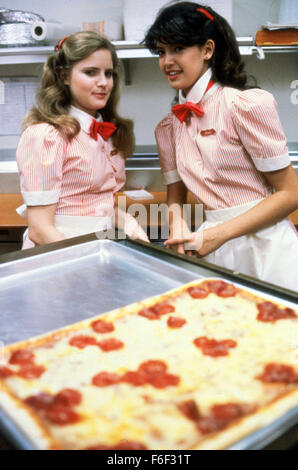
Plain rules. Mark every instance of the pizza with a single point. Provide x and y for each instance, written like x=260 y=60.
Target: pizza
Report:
x=199 y=367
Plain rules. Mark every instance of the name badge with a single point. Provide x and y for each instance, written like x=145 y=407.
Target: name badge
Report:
x=207 y=132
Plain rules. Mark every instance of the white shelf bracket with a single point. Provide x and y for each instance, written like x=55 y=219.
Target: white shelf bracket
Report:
x=260 y=53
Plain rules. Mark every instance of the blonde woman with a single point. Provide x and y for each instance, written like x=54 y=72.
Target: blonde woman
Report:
x=71 y=155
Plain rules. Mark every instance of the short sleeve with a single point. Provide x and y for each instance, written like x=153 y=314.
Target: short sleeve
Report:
x=255 y=117
x=164 y=134
x=40 y=155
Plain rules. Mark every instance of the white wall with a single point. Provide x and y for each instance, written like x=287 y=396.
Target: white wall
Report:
x=250 y=15
x=69 y=11
x=275 y=74
x=148 y=98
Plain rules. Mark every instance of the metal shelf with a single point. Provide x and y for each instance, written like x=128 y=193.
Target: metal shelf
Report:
x=279 y=49
x=125 y=50
x=39 y=54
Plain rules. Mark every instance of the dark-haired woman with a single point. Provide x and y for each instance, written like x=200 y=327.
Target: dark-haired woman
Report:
x=225 y=144
x=71 y=155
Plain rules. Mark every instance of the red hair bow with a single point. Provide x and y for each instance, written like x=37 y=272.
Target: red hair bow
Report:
x=181 y=111
x=105 y=129
x=61 y=42
x=206 y=13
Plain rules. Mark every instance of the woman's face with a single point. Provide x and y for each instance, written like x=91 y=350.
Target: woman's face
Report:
x=183 y=66
x=91 y=82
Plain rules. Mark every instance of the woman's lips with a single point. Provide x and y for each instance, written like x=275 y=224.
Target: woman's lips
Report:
x=173 y=74
x=100 y=95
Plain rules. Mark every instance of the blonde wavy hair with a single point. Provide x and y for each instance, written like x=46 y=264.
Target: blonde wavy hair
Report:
x=54 y=98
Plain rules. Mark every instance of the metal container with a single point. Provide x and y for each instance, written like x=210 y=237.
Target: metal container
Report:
x=15 y=28
x=16 y=35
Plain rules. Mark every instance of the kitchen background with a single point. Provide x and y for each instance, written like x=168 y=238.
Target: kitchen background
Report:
x=148 y=97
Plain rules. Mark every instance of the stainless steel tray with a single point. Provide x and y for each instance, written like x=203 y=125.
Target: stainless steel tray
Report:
x=50 y=290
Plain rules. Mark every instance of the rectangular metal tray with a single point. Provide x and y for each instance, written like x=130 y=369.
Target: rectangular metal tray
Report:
x=48 y=291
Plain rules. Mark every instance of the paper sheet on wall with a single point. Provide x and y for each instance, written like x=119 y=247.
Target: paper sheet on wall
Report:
x=17 y=97
x=277 y=26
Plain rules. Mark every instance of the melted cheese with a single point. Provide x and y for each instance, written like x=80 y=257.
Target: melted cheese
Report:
x=150 y=415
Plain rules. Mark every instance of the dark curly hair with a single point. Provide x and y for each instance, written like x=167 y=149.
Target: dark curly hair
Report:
x=182 y=23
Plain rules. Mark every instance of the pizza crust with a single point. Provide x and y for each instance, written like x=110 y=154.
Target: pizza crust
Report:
x=240 y=429
x=28 y=422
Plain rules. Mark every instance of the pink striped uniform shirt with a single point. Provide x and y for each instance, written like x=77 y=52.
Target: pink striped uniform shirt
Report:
x=81 y=176
x=221 y=156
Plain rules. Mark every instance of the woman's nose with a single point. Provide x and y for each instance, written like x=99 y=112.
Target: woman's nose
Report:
x=101 y=80
x=168 y=58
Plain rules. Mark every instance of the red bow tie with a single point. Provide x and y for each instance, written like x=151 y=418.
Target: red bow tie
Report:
x=181 y=111
x=105 y=129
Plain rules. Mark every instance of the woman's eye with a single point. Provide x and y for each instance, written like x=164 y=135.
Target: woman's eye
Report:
x=178 y=49
x=90 y=73
x=109 y=74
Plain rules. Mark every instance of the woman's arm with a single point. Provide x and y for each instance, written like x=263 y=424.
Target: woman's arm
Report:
x=41 y=224
x=176 y=197
x=268 y=212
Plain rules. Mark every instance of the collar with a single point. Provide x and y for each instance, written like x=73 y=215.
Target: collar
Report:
x=197 y=91
x=84 y=119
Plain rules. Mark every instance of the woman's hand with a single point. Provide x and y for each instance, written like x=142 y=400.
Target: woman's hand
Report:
x=199 y=243
x=138 y=233
x=182 y=241
x=130 y=226
x=178 y=247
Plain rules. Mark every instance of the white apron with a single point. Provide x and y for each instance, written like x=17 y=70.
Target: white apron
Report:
x=271 y=254
x=74 y=226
